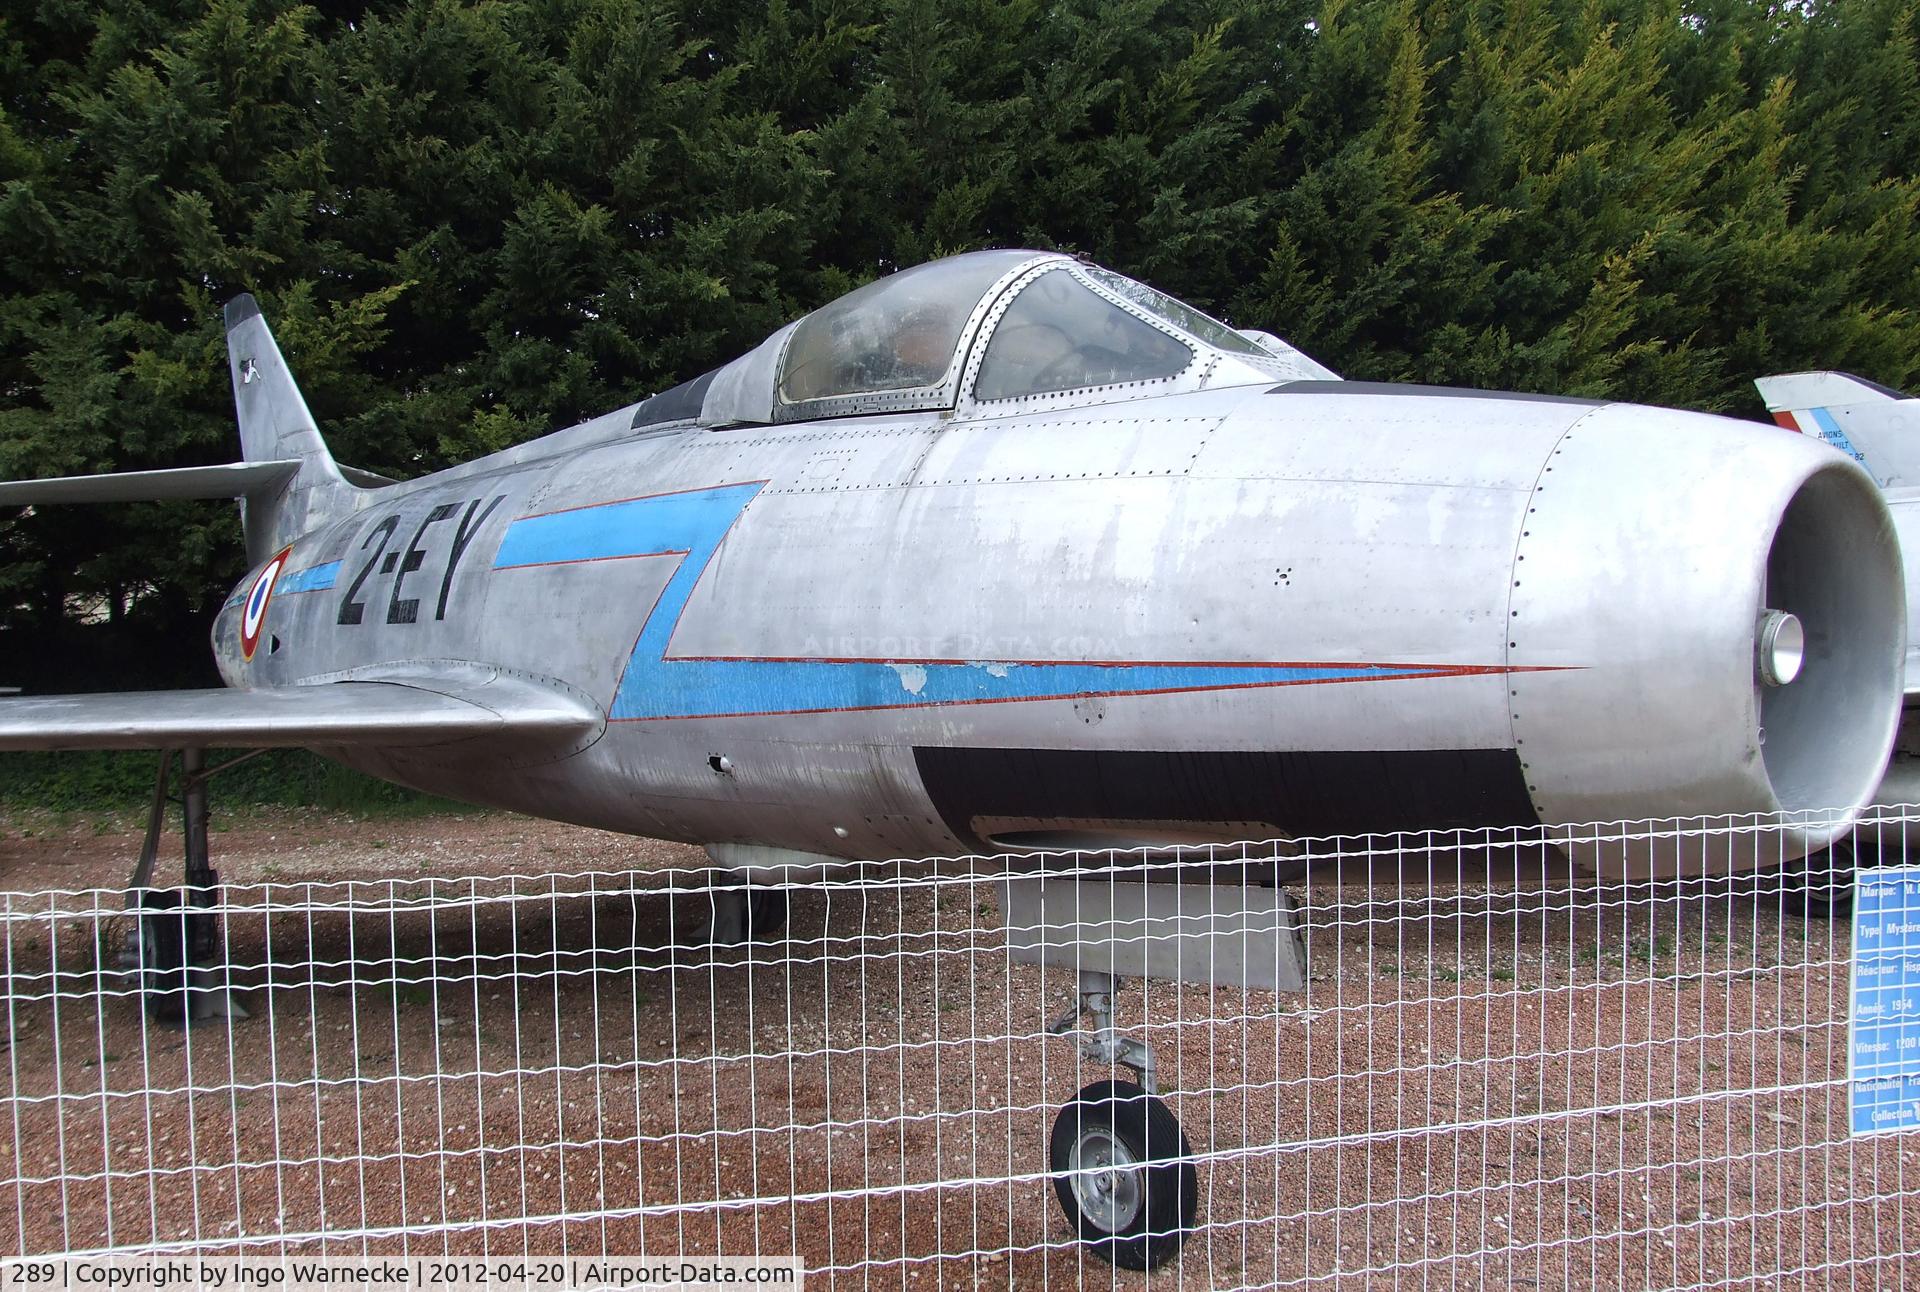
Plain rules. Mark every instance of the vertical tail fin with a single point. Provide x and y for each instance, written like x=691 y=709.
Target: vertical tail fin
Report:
x=276 y=425
x=1877 y=426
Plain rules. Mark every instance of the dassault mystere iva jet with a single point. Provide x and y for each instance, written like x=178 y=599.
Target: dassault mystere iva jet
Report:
x=1009 y=552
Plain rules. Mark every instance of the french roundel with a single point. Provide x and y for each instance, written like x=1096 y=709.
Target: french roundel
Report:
x=254 y=615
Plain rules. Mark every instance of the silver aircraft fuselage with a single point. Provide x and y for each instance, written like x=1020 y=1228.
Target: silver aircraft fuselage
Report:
x=1267 y=609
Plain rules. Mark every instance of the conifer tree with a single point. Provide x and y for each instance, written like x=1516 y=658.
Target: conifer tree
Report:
x=472 y=224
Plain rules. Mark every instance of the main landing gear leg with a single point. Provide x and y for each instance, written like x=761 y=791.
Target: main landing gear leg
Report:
x=175 y=943
x=1122 y=1168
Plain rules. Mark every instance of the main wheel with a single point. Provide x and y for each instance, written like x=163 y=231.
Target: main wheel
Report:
x=166 y=952
x=1819 y=886
x=760 y=917
x=766 y=913
x=1123 y=1172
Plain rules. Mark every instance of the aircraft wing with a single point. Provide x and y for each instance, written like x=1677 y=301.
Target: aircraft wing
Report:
x=230 y=480
x=410 y=711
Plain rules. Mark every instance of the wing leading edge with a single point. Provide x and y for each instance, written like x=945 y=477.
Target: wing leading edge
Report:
x=395 y=711
x=229 y=480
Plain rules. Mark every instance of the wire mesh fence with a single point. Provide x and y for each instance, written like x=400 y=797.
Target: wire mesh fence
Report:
x=1492 y=1069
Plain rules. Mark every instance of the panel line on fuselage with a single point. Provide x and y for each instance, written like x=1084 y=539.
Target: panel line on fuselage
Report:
x=690 y=525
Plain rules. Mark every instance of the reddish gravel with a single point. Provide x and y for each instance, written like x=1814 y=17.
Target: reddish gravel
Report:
x=1485 y=1084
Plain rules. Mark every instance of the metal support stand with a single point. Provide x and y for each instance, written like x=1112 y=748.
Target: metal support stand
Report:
x=175 y=939
x=1100 y=1043
x=141 y=880
x=156 y=822
x=193 y=802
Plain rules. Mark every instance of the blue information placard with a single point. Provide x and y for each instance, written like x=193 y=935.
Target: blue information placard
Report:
x=1883 y=1052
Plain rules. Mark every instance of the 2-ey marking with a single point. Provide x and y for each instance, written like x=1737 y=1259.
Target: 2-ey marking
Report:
x=401 y=562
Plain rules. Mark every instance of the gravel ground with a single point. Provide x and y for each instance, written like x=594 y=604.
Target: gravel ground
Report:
x=1496 y=1081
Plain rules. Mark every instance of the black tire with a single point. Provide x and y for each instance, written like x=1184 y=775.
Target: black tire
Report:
x=766 y=912
x=1141 y=1224
x=1822 y=886
x=1818 y=886
x=166 y=939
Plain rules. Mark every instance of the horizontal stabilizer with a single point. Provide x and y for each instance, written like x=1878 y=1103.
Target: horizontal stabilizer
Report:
x=1792 y=391
x=231 y=480
x=423 y=710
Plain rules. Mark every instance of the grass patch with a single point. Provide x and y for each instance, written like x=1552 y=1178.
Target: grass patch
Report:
x=1649 y=949
x=117 y=781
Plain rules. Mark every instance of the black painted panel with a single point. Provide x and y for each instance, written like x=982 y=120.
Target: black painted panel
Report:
x=1299 y=794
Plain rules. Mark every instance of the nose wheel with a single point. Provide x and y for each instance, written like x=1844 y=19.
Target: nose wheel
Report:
x=1123 y=1172
x=1122 y=1168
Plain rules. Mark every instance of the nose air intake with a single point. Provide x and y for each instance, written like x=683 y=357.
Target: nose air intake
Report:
x=1706 y=614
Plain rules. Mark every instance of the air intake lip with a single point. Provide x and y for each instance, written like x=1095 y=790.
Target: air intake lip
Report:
x=1834 y=564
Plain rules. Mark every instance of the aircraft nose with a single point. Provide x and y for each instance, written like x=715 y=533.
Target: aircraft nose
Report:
x=1706 y=613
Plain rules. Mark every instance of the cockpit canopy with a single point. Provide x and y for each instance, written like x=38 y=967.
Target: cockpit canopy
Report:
x=981 y=333
x=898 y=333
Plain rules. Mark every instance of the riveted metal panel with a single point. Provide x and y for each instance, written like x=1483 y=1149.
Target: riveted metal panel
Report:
x=1160 y=437
x=1221 y=574
x=1445 y=440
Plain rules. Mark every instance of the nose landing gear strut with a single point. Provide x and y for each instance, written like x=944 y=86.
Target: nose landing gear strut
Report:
x=1122 y=1169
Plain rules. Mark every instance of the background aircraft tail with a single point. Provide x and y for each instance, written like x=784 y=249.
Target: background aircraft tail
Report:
x=1877 y=426
x=276 y=426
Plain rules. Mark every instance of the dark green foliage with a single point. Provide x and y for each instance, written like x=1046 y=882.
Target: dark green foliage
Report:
x=471 y=224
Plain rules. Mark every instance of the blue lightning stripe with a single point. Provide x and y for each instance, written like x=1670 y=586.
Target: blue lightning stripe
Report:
x=667 y=688
x=315 y=578
x=692 y=525
x=1830 y=432
x=674 y=522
